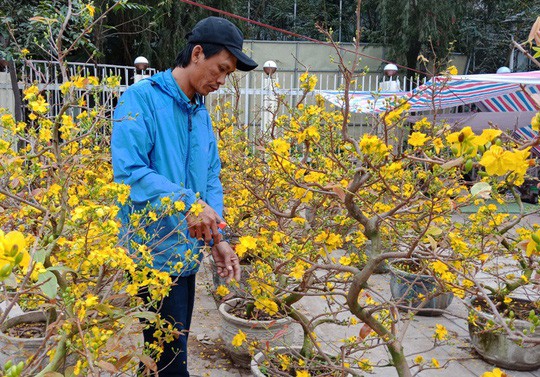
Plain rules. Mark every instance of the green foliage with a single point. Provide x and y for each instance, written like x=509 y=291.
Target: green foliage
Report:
x=487 y=31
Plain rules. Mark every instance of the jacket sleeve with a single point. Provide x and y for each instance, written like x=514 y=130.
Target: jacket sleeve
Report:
x=132 y=141
x=214 y=188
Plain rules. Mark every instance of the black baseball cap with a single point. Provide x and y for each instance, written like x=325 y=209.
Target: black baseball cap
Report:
x=219 y=31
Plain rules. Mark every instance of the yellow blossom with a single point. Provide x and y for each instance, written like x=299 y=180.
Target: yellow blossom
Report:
x=196 y=209
x=179 y=206
x=38 y=105
x=112 y=81
x=365 y=364
x=267 y=305
x=303 y=373
x=452 y=70
x=535 y=122
x=435 y=363
x=297 y=271
x=222 y=291
x=497 y=161
x=441 y=333
x=495 y=373
x=418 y=139
x=345 y=260
x=64 y=88
x=91 y=9
x=239 y=339
x=30 y=92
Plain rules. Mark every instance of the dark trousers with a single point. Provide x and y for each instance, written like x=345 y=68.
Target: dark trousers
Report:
x=176 y=308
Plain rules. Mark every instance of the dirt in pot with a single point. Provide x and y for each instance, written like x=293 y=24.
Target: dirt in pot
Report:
x=249 y=312
x=28 y=330
x=514 y=308
x=280 y=363
x=411 y=266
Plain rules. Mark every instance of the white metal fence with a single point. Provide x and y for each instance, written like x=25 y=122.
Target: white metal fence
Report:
x=248 y=93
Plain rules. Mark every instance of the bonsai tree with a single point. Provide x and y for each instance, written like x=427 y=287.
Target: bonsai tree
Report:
x=321 y=211
x=61 y=247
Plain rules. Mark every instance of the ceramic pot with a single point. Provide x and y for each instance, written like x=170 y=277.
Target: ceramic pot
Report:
x=495 y=347
x=406 y=288
x=21 y=349
x=258 y=360
x=272 y=333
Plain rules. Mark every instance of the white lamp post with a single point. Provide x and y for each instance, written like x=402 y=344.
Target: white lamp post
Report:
x=141 y=65
x=390 y=81
x=269 y=96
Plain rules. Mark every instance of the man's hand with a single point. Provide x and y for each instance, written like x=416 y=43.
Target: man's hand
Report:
x=227 y=262
x=204 y=225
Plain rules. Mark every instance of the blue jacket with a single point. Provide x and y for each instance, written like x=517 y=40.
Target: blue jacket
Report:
x=163 y=145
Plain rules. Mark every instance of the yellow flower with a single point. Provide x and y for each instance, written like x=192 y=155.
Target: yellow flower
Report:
x=112 y=81
x=302 y=373
x=535 y=122
x=239 y=339
x=65 y=87
x=452 y=70
x=222 y=291
x=487 y=136
x=495 y=373
x=441 y=333
x=25 y=51
x=345 y=260
x=91 y=301
x=267 y=305
x=281 y=147
x=12 y=243
x=497 y=161
x=285 y=361
x=30 y=92
x=418 y=139
x=463 y=142
x=419 y=359
x=39 y=105
x=435 y=363
x=179 y=206
x=297 y=271
x=439 y=267
x=196 y=209
x=507 y=300
x=438 y=144
x=93 y=80
x=91 y=9
x=365 y=364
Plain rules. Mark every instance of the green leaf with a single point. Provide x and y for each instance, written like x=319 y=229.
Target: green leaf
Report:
x=49 y=283
x=482 y=190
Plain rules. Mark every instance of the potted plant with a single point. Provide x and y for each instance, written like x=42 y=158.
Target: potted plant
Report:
x=503 y=309
x=61 y=250
x=244 y=326
x=309 y=187
x=414 y=287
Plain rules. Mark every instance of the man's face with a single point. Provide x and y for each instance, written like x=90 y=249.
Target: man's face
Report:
x=209 y=74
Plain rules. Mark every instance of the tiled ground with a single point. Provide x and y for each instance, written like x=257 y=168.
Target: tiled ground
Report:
x=208 y=359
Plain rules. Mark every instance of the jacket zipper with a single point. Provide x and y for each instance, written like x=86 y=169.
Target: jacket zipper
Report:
x=190 y=127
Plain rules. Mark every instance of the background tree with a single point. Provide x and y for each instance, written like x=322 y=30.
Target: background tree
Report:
x=489 y=27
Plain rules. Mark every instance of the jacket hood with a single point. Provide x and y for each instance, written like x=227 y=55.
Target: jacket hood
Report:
x=166 y=82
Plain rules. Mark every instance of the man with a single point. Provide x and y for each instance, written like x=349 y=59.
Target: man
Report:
x=163 y=146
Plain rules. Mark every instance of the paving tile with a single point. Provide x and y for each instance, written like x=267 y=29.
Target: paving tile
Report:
x=457 y=355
